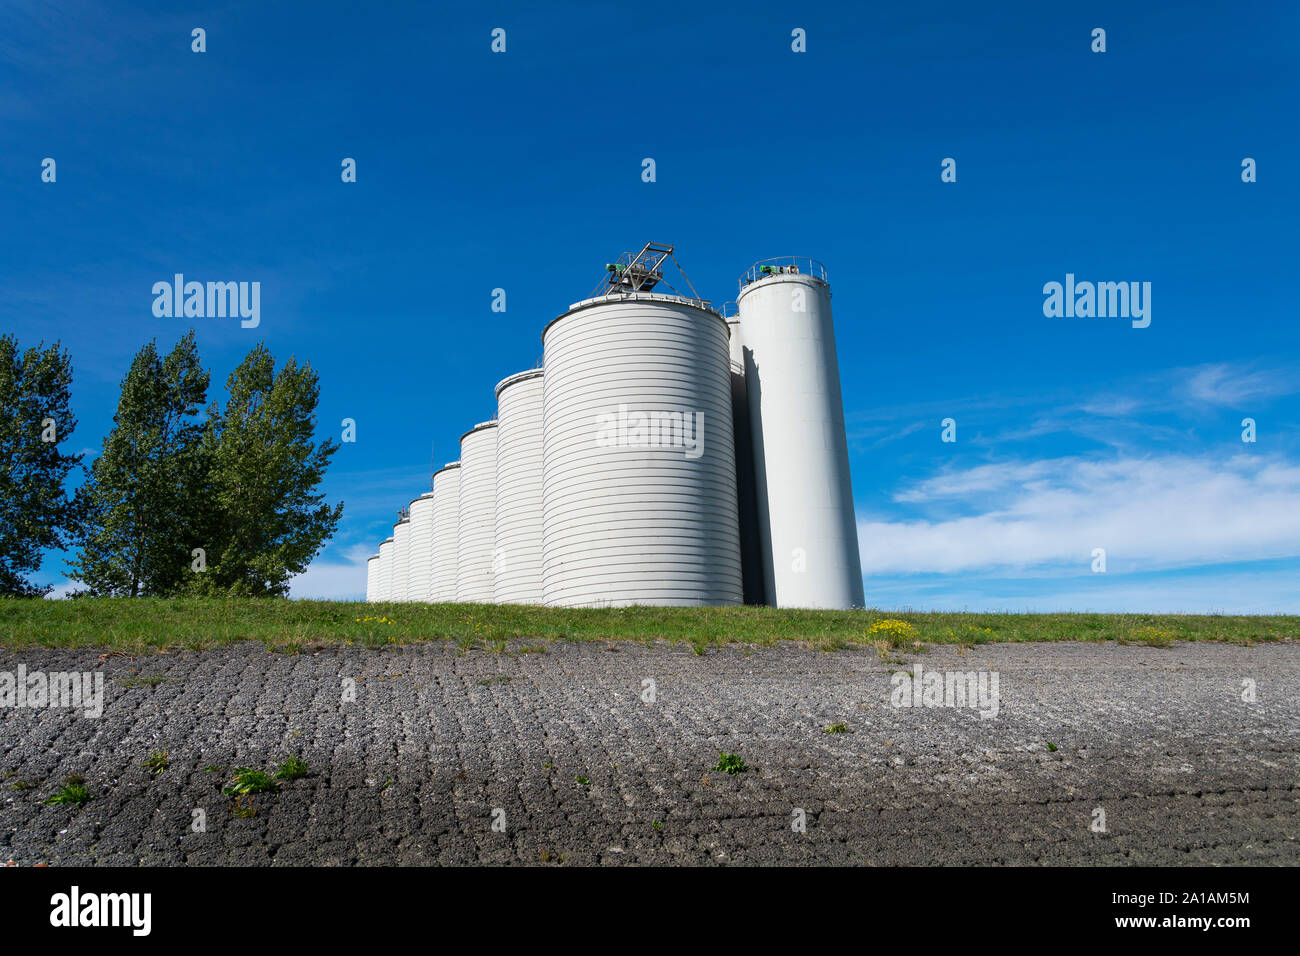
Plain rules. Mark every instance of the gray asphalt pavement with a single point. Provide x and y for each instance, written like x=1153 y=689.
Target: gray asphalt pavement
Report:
x=565 y=752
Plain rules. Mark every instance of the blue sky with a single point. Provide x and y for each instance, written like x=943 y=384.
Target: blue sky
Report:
x=522 y=171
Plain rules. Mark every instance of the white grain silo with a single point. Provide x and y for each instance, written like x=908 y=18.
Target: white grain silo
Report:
x=518 y=551
x=385 y=570
x=446 y=519
x=419 y=563
x=478 y=513
x=372 y=578
x=801 y=461
x=751 y=545
x=401 y=556
x=639 y=496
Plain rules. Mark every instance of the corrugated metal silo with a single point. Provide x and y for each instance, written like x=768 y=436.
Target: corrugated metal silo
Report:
x=801 y=459
x=446 y=519
x=372 y=578
x=518 y=549
x=385 y=570
x=419 y=563
x=401 y=556
x=478 y=513
x=639 y=496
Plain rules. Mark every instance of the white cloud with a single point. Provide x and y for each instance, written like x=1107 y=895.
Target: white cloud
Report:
x=1224 y=384
x=62 y=589
x=330 y=582
x=1148 y=513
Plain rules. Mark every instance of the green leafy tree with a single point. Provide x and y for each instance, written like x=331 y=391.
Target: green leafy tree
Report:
x=144 y=502
x=36 y=421
x=269 y=520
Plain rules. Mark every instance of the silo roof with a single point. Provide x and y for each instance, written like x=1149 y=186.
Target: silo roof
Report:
x=700 y=304
x=517 y=377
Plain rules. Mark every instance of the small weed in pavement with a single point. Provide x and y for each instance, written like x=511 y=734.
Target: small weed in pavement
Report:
x=157 y=762
x=730 y=763
x=292 y=769
x=246 y=781
x=73 y=791
x=840 y=728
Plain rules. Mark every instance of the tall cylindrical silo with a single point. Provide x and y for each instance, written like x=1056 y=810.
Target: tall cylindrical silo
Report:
x=386 y=570
x=401 y=556
x=478 y=513
x=446 y=519
x=801 y=458
x=419 y=563
x=372 y=578
x=639 y=491
x=751 y=545
x=518 y=550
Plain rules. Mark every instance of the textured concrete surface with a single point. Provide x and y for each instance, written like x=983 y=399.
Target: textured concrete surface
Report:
x=437 y=739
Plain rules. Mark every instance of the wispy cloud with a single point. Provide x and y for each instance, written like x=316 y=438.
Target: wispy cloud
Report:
x=1161 y=407
x=1231 y=386
x=1147 y=513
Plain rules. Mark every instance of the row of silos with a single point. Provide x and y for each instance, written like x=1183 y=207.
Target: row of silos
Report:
x=665 y=456
x=477 y=535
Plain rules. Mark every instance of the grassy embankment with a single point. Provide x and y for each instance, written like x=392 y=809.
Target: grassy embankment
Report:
x=295 y=626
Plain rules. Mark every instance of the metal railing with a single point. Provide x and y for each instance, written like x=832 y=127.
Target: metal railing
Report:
x=784 y=265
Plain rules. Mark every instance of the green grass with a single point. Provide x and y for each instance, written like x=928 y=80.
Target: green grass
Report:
x=133 y=626
x=292 y=769
x=247 y=781
x=74 y=790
